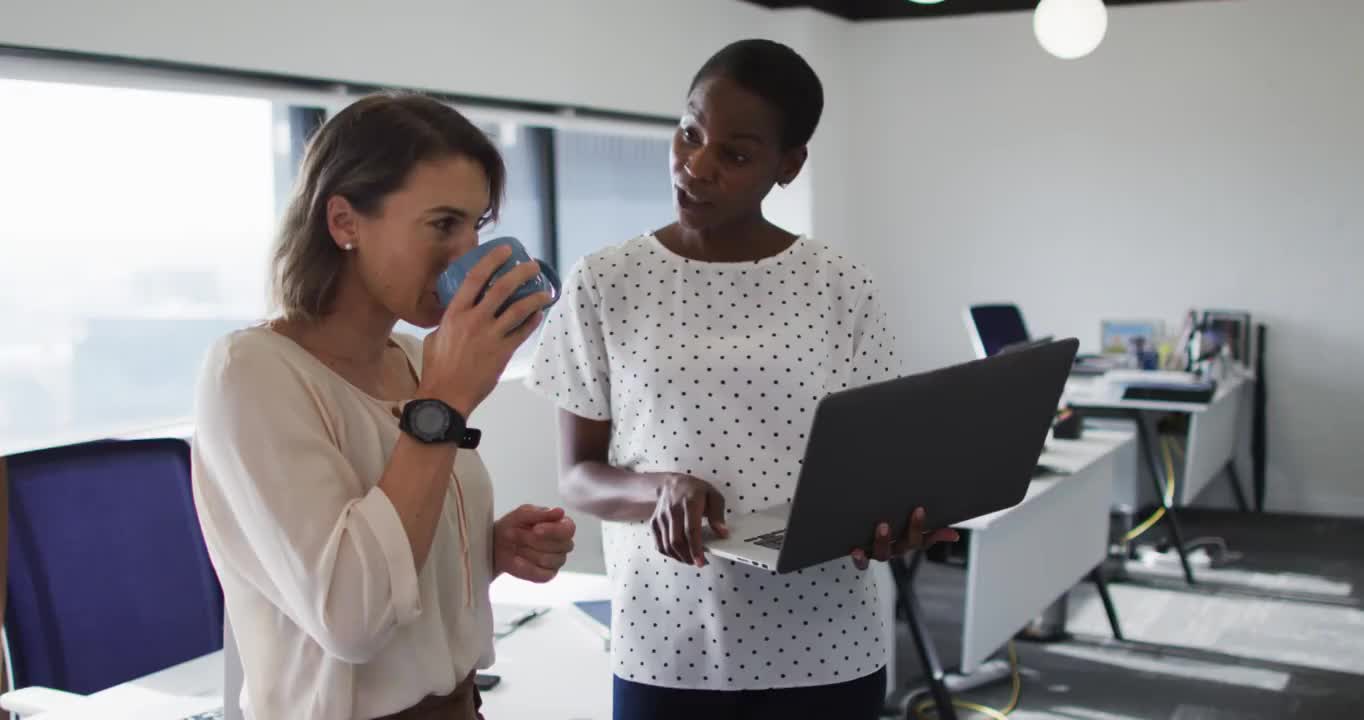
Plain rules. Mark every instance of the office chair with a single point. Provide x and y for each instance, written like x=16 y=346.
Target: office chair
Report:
x=994 y=327
x=109 y=579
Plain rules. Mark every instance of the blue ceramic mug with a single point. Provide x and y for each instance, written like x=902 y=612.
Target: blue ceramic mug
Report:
x=449 y=281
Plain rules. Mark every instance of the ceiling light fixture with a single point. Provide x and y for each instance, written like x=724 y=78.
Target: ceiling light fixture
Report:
x=1070 y=29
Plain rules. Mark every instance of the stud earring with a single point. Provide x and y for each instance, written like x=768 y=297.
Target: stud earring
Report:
x=349 y=247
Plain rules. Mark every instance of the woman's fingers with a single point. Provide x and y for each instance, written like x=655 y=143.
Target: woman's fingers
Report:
x=477 y=279
x=527 y=570
x=881 y=547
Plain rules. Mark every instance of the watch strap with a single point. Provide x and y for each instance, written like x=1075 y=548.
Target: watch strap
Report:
x=457 y=431
x=467 y=438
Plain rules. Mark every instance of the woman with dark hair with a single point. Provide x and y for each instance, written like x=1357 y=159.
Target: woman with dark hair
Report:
x=355 y=544
x=687 y=365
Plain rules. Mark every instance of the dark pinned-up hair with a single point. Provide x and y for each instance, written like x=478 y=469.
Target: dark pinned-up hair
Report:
x=777 y=74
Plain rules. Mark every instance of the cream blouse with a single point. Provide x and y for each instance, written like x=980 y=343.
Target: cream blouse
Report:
x=332 y=618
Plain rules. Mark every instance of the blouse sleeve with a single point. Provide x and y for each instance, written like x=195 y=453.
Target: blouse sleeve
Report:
x=278 y=504
x=571 y=365
x=874 y=357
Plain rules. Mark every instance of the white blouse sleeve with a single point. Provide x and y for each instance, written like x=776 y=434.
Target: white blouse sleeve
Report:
x=874 y=357
x=571 y=364
x=280 y=506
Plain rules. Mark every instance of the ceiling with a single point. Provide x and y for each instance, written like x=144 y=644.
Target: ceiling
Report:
x=888 y=9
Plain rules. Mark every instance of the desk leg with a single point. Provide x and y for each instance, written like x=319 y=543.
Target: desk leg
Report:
x=1235 y=481
x=923 y=643
x=1097 y=577
x=1257 y=423
x=1146 y=436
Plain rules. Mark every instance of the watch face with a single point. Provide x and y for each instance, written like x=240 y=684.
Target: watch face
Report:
x=430 y=420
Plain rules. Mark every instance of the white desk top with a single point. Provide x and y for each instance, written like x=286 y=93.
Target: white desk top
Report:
x=553 y=666
x=170 y=694
x=556 y=665
x=1091 y=392
x=1068 y=456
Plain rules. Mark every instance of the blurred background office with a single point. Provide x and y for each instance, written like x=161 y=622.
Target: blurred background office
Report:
x=1185 y=154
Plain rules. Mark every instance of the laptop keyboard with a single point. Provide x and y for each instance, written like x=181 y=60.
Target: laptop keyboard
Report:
x=210 y=715
x=772 y=540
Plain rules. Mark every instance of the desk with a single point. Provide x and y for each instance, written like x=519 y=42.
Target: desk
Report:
x=1211 y=446
x=170 y=694
x=1020 y=560
x=553 y=666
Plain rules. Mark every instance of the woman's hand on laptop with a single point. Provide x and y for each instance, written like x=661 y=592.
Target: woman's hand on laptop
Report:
x=684 y=502
x=915 y=538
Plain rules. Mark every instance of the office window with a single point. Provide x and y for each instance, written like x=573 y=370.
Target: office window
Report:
x=609 y=188
x=137 y=225
x=139 y=213
x=526 y=209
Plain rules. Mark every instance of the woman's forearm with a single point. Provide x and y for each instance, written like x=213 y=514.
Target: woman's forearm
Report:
x=611 y=493
x=416 y=481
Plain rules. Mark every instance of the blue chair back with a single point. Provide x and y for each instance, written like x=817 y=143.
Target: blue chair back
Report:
x=109 y=579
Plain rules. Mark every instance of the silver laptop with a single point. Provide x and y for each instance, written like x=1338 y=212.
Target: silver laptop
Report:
x=960 y=442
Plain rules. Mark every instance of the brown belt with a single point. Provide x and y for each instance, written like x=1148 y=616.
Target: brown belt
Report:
x=461 y=704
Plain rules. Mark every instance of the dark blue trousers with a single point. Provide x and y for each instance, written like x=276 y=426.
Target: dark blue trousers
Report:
x=858 y=699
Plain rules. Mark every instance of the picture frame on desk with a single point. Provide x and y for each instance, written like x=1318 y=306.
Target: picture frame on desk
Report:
x=1138 y=339
x=1119 y=337
x=1231 y=328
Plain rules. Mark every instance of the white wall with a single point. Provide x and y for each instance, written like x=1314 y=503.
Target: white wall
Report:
x=829 y=172
x=814 y=204
x=613 y=54
x=1208 y=154
x=625 y=55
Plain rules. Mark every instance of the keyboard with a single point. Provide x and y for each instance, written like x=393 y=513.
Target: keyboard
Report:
x=772 y=540
x=210 y=715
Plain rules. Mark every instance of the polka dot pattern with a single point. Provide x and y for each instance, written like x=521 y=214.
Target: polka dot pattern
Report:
x=714 y=370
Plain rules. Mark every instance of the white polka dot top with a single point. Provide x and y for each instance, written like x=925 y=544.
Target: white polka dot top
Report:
x=714 y=370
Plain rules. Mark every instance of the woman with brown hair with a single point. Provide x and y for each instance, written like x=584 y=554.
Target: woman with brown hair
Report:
x=355 y=545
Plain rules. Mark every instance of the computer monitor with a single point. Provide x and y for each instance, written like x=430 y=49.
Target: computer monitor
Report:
x=995 y=327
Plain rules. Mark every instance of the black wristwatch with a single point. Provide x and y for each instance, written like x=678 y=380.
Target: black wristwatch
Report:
x=432 y=421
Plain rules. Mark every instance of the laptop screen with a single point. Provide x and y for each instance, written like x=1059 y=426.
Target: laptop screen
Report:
x=998 y=326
